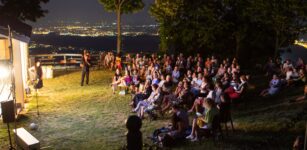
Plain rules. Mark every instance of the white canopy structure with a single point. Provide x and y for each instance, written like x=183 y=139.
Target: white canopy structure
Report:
x=14 y=62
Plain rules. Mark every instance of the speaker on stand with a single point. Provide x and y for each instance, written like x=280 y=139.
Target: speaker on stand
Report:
x=8 y=116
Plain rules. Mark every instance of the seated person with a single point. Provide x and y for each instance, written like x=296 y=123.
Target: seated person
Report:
x=143 y=93
x=126 y=80
x=185 y=97
x=116 y=80
x=196 y=84
x=218 y=92
x=155 y=94
x=198 y=103
x=235 y=92
x=211 y=92
x=274 y=88
x=294 y=77
x=225 y=80
x=298 y=78
x=176 y=75
x=155 y=79
x=286 y=66
x=204 y=121
x=167 y=85
x=167 y=68
x=289 y=73
x=207 y=93
x=179 y=126
x=135 y=78
x=162 y=80
x=189 y=76
x=170 y=99
x=135 y=82
x=220 y=71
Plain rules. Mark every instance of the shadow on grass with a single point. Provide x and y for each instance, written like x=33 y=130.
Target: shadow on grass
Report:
x=23 y=118
x=255 y=140
x=240 y=139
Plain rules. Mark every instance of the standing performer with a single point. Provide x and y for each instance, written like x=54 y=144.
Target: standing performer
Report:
x=86 y=64
x=37 y=75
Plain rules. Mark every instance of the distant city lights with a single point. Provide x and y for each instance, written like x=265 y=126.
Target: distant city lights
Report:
x=87 y=30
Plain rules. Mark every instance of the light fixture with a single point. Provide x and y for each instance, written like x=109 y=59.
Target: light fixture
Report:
x=4 y=72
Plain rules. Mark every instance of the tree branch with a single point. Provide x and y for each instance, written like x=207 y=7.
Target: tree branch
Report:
x=121 y=3
x=115 y=4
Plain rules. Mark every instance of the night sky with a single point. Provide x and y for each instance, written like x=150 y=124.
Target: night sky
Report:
x=89 y=11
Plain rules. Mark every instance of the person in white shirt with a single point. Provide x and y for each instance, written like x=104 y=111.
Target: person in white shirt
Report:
x=289 y=74
x=162 y=80
x=211 y=92
x=287 y=65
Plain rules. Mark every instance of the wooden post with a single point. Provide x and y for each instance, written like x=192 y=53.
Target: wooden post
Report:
x=65 y=62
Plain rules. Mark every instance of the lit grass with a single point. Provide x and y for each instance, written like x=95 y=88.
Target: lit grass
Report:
x=91 y=117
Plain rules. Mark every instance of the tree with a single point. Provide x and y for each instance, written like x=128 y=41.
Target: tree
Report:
x=239 y=28
x=165 y=13
x=23 y=10
x=121 y=7
x=187 y=25
x=285 y=18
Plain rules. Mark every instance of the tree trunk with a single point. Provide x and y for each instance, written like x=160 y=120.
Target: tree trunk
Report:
x=119 y=34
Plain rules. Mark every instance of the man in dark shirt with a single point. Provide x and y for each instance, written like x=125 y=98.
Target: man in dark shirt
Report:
x=85 y=67
x=167 y=86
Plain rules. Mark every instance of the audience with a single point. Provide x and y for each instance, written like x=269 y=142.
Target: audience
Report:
x=203 y=86
x=185 y=81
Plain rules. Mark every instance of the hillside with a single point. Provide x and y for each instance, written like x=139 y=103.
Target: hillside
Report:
x=91 y=117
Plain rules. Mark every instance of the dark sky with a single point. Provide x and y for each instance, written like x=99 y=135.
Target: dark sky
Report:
x=89 y=11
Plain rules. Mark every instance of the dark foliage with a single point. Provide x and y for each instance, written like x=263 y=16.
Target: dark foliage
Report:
x=23 y=10
x=231 y=27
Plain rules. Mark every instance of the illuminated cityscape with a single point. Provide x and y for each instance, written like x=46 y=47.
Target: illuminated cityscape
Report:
x=65 y=37
x=88 y=30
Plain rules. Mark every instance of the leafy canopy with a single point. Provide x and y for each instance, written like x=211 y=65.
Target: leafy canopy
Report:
x=237 y=27
x=125 y=6
x=23 y=10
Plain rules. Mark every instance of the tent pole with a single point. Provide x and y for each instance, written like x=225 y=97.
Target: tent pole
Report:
x=13 y=81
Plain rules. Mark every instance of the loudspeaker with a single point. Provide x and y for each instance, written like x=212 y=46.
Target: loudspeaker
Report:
x=8 y=113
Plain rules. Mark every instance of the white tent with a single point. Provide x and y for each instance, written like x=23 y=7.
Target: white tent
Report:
x=15 y=63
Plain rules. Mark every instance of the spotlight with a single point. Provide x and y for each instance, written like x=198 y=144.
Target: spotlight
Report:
x=4 y=72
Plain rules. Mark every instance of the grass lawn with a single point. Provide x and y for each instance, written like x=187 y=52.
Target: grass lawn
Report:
x=91 y=117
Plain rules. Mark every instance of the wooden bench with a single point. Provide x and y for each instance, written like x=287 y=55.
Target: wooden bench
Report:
x=26 y=141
